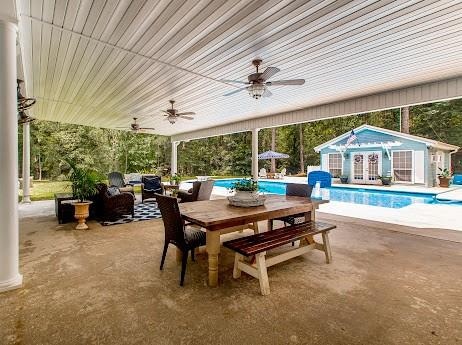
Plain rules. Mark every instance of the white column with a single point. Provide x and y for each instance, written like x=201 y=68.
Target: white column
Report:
x=26 y=162
x=174 y=159
x=9 y=229
x=255 y=153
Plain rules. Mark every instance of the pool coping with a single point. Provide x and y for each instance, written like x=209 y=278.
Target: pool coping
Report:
x=437 y=192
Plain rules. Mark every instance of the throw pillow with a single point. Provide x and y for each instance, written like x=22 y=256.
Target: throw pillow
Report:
x=111 y=191
x=152 y=183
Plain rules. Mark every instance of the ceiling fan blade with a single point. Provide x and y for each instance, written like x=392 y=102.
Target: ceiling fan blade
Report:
x=233 y=81
x=286 y=82
x=165 y=113
x=235 y=91
x=147 y=128
x=267 y=93
x=269 y=72
x=186 y=113
x=187 y=117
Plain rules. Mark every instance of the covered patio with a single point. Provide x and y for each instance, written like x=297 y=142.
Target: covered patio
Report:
x=101 y=63
x=385 y=286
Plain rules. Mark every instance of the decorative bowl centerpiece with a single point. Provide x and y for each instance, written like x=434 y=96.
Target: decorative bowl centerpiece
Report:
x=246 y=194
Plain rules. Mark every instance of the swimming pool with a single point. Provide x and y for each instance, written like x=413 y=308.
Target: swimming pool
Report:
x=389 y=199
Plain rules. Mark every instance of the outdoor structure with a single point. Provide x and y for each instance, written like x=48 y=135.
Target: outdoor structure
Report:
x=369 y=152
x=99 y=63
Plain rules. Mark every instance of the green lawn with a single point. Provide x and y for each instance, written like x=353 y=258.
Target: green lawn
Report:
x=45 y=190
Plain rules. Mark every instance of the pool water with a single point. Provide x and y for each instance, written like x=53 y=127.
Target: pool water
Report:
x=389 y=199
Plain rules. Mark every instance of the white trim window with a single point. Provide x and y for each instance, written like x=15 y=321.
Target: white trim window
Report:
x=335 y=164
x=402 y=166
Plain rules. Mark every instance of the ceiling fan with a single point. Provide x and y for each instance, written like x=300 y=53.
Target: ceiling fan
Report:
x=258 y=83
x=135 y=127
x=172 y=115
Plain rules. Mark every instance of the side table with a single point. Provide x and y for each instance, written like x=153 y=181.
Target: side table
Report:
x=64 y=209
x=172 y=188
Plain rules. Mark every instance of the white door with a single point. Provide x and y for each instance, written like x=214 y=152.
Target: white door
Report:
x=366 y=167
x=357 y=169
x=374 y=167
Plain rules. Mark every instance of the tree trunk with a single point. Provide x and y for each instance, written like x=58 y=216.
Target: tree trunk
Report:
x=405 y=120
x=273 y=148
x=39 y=167
x=302 y=161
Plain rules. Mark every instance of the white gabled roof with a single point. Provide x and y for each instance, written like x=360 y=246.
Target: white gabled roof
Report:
x=428 y=142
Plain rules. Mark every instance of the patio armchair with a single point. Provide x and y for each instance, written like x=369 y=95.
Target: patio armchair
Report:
x=150 y=186
x=201 y=190
x=177 y=233
x=262 y=173
x=111 y=204
x=294 y=189
x=116 y=179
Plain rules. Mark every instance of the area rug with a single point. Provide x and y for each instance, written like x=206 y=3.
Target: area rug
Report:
x=146 y=211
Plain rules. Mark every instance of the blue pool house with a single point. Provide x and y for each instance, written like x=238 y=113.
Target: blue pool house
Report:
x=368 y=152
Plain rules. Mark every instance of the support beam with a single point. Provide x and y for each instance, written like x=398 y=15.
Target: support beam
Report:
x=408 y=96
x=26 y=163
x=255 y=153
x=174 y=158
x=9 y=229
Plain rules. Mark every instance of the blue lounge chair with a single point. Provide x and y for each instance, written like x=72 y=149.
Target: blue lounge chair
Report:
x=323 y=177
x=457 y=179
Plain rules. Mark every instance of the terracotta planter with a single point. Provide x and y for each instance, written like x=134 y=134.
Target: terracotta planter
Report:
x=82 y=211
x=444 y=181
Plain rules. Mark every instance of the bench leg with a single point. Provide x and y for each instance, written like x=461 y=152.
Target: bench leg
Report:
x=262 y=274
x=327 y=251
x=236 y=271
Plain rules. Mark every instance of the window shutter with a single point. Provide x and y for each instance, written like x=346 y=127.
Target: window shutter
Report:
x=325 y=162
x=419 y=167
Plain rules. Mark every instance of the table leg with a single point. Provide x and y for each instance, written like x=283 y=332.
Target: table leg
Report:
x=213 y=250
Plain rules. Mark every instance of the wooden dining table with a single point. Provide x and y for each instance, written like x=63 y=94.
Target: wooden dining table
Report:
x=218 y=217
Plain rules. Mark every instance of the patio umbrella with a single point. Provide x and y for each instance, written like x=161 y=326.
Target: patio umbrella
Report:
x=271 y=155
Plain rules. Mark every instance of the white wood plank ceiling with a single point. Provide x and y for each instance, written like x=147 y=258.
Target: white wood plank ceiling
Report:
x=100 y=62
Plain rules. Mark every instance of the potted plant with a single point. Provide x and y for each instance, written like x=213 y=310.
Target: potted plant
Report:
x=245 y=189
x=386 y=180
x=445 y=177
x=175 y=179
x=344 y=179
x=84 y=182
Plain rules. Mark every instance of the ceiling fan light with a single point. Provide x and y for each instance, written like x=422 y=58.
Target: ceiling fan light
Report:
x=171 y=119
x=256 y=90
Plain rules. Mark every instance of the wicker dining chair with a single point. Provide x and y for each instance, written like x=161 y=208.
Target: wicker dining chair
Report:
x=201 y=190
x=177 y=233
x=294 y=189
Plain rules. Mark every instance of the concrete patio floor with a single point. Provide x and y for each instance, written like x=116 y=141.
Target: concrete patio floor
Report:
x=104 y=286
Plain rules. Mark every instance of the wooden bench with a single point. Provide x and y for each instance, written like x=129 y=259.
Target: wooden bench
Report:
x=257 y=245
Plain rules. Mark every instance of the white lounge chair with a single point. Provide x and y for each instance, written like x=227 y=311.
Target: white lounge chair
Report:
x=281 y=174
x=262 y=173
